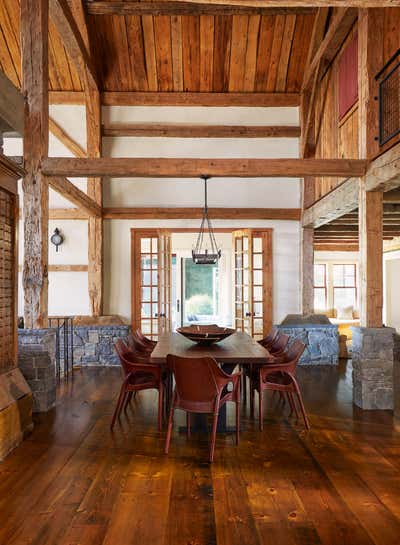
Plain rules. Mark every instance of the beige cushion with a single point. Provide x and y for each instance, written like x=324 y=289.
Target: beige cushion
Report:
x=345 y=313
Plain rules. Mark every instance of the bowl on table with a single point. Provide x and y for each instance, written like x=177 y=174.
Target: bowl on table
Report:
x=205 y=334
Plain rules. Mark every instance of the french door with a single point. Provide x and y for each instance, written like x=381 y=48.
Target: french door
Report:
x=151 y=281
x=253 y=281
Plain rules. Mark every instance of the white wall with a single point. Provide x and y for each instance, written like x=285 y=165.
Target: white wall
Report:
x=68 y=291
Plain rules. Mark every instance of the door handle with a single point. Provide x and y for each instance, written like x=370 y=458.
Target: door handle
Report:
x=178 y=305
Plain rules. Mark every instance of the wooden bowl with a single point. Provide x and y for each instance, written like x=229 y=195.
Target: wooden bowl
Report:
x=205 y=334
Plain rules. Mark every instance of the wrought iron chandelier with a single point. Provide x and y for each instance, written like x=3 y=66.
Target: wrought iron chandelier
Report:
x=203 y=253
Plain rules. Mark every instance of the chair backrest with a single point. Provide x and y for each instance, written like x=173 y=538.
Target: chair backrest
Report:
x=143 y=339
x=124 y=354
x=295 y=350
x=136 y=344
x=270 y=337
x=280 y=342
x=196 y=379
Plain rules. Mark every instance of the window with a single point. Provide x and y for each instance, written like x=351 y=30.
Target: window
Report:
x=320 y=286
x=344 y=286
x=348 y=77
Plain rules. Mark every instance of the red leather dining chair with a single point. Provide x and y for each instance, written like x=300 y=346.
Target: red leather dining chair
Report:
x=278 y=346
x=280 y=376
x=267 y=341
x=139 y=374
x=145 y=340
x=201 y=387
x=137 y=345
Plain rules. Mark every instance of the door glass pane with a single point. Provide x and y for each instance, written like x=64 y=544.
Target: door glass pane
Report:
x=257 y=277
x=257 y=293
x=146 y=262
x=257 y=309
x=146 y=292
x=257 y=261
x=146 y=278
x=145 y=246
x=257 y=244
x=146 y=310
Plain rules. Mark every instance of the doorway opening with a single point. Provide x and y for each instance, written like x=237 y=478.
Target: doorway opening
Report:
x=170 y=291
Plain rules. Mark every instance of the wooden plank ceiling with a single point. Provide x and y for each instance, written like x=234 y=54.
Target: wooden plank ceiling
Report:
x=194 y=53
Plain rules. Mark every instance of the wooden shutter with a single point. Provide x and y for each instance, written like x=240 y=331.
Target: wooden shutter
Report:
x=348 y=77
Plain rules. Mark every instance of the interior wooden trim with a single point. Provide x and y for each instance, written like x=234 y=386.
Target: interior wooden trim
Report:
x=136 y=98
x=182 y=130
x=293 y=214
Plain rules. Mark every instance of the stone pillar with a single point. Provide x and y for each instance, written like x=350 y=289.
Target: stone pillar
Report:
x=373 y=362
x=36 y=359
x=396 y=376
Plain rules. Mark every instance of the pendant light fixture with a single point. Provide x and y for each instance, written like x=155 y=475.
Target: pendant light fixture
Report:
x=206 y=251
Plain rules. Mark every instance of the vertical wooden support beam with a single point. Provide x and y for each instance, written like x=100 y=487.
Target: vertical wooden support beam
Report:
x=307 y=270
x=371 y=256
x=34 y=46
x=94 y=187
x=370 y=61
x=95 y=225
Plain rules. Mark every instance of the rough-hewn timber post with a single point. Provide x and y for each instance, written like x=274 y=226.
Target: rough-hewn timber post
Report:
x=34 y=46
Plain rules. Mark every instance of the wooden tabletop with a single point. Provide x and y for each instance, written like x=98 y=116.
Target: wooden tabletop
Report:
x=238 y=348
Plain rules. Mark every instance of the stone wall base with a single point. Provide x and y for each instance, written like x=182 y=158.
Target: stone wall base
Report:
x=373 y=357
x=94 y=344
x=322 y=342
x=15 y=410
x=36 y=359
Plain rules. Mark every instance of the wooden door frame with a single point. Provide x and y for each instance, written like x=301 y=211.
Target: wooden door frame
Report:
x=267 y=262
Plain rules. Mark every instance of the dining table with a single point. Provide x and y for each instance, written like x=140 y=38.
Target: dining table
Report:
x=237 y=349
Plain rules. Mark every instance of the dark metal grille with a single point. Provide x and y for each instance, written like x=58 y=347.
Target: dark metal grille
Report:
x=389 y=103
x=64 y=327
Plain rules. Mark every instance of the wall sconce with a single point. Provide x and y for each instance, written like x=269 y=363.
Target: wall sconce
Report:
x=56 y=238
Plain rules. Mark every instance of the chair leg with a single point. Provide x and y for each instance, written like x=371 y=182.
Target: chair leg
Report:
x=118 y=406
x=244 y=387
x=237 y=420
x=290 y=399
x=294 y=405
x=128 y=400
x=213 y=435
x=251 y=394
x=260 y=408
x=160 y=405
x=303 y=411
x=169 y=431
x=188 y=425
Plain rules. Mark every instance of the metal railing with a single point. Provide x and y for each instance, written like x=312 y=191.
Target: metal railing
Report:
x=64 y=327
x=389 y=99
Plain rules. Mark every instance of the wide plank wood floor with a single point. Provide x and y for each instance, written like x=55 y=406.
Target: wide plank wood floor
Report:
x=72 y=482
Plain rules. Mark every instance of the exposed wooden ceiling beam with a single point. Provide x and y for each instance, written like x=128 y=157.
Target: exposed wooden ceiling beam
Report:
x=121 y=98
x=339 y=28
x=336 y=247
x=65 y=139
x=341 y=201
x=67 y=214
x=197 y=213
x=180 y=130
x=68 y=190
x=11 y=105
x=299 y=3
x=70 y=34
x=130 y=167
x=129 y=7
